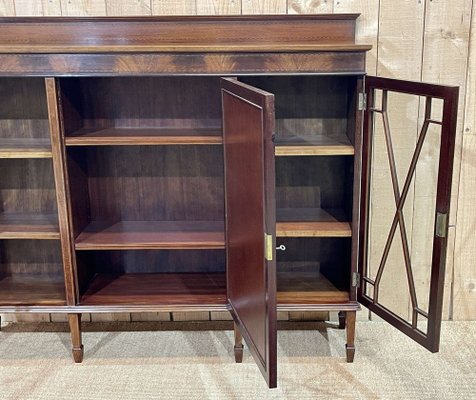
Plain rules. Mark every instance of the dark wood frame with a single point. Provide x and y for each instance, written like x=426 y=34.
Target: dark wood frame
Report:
x=449 y=95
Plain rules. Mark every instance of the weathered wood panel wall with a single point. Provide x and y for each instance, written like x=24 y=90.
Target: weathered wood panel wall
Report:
x=429 y=40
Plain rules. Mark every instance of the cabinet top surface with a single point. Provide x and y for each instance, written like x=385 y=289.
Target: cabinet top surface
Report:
x=268 y=33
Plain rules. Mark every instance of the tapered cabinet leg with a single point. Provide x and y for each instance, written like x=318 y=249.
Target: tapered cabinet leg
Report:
x=238 y=345
x=350 y=346
x=341 y=319
x=75 y=328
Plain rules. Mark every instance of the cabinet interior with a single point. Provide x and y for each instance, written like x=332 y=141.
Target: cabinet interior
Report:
x=31 y=271
x=145 y=165
x=314 y=139
x=24 y=130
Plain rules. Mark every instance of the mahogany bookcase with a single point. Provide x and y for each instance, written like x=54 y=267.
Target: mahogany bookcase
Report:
x=202 y=163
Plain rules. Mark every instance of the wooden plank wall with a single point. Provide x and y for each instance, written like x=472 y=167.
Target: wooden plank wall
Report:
x=429 y=40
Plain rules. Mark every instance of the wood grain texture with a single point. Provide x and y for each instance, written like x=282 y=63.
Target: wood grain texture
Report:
x=367 y=27
x=25 y=148
x=263 y=7
x=83 y=7
x=142 y=136
x=464 y=286
x=36 y=8
x=318 y=145
x=192 y=34
x=310 y=6
x=127 y=7
x=29 y=226
x=23 y=111
x=7 y=8
x=446 y=40
x=248 y=127
x=306 y=288
x=142 y=235
x=31 y=291
x=27 y=186
x=312 y=222
x=156 y=289
x=57 y=123
x=218 y=7
x=174 y=7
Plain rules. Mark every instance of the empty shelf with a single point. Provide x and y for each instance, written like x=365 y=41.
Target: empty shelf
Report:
x=307 y=288
x=29 y=226
x=315 y=145
x=312 y=222
x=156 y=289
x=140 y=235
x=25 y=148
x=143 y=136
x=31 y=290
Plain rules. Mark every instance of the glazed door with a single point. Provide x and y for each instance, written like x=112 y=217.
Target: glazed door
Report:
x=407 y=162
x=248 y=124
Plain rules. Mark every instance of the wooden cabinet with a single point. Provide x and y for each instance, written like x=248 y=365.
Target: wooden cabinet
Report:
x=209 y=164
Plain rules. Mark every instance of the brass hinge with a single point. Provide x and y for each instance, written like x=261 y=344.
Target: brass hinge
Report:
x=441 y=226
x=355 y=279
x=362 y=101
x=268 y=247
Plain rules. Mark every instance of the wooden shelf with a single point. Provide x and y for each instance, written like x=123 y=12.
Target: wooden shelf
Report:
x=307 y=288
x=140 y=235
x=29 y=226
x=312 y=222
x=156 y=289
x=201 y=289
x=25 y=148
x=31 y=290
x=144 y=136
x=315 y=145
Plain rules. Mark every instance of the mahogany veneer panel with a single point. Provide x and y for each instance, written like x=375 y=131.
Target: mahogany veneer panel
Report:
x=143 y=136
x=175 y=34
x=34 y=290
x=312 y=222
x=325 y=62
x=307 y=288
x=316 y=145
x=200 y=289
x=152 y=235
x=27 y=186
x=156 y=289
x=25 y=148
x=29 y=226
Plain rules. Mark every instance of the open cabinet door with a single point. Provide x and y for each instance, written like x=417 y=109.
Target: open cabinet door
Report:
x=403 y=233
x=248 y=124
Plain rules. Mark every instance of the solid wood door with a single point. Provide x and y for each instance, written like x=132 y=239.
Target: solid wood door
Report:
x=248 y=125
x=433 y=139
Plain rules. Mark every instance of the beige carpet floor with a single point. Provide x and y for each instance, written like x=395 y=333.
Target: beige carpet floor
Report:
x=191 y=365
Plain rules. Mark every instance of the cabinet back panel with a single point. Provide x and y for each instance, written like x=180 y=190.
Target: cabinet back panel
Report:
x=155 y=183
x=31 y=257
x=308 y=105
x=314 y=182
x=315 y=256
x=145 y=102
x=27 y=186
x=23 y=111
x=154 y=261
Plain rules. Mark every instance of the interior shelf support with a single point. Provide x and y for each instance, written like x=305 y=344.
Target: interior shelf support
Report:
x=238 y=344
x=350 y=345
x=75 y=328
